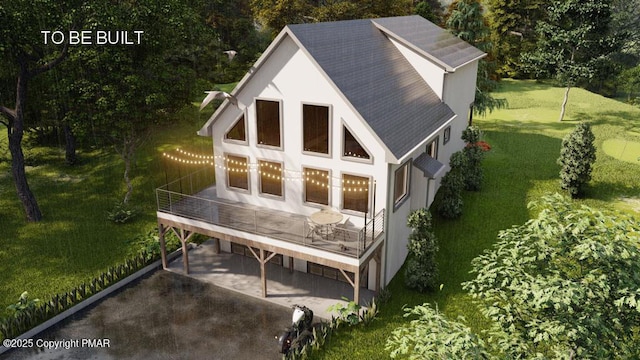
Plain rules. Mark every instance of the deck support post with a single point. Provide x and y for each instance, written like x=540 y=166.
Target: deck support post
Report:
x=163 y=246
x=263 y=259
x=184 y=236
x=263 y=275
x=356 y=287
x=378 y=259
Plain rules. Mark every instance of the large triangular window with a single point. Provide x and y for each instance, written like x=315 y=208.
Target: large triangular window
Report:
x=237 y=131
x=352 y=147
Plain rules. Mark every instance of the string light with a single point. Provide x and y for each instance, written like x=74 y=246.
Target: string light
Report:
x=320 y=178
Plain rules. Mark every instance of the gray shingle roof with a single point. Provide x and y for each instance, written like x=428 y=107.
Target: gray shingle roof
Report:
x=377 y=80
x=429 y=166
x=431 y=40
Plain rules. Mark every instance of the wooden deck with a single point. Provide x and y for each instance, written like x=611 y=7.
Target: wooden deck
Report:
x=205 y=206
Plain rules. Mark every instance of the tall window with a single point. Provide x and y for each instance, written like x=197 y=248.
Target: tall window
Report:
x=268 y=122
x=355 y=193
x=447 y=135
x=351 y=146
x=401 y=184
x=237 y=131
x=270 y=177
x=316 y=186
x=237 y=172
x=315 y=123
x=432 y=148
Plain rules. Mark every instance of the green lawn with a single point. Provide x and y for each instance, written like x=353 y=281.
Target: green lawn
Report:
x=521 y=166
x=75 y=241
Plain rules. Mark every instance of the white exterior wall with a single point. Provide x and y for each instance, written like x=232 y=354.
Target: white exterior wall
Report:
x=459 y=93
x=290 y=77
x=430 y=72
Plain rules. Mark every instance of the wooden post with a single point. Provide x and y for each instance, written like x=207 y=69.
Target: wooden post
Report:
x=216 y=245
x=263 y=274
x=163 y=246
x=356 y=287
x=378 y=259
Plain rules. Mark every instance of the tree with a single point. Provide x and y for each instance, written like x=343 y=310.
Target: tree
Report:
x=512 y=26
x=629 y=80
x=430 y=10
x=574 y=41
x=563 y=285
x=451 y=186
x=124 y=91
x=25 y=54
x=422 y=269
x=275 y=14
x=466 y=20
x=432 y=336
x=576 y=158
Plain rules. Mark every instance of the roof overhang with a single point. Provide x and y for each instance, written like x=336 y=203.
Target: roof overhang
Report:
x=431 y=167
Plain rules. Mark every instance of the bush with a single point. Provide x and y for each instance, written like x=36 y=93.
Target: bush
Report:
x=474 y=152
x=576 y=157
x=432 y=336
x=450 y=205
x=422 y=270
x=122 y=213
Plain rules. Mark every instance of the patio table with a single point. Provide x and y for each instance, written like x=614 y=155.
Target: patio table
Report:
x=326 y=219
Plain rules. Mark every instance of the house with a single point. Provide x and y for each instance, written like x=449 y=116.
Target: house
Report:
x=358 y=117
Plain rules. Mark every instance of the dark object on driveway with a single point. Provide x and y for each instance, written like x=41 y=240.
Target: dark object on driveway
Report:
x=299 y=333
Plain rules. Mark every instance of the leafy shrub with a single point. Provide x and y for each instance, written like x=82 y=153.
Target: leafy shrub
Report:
x=23 y=305
x=474 y=152
x=149 y=244
x=452 y=184
x=563 y=285
x=422 y=269
x=122 y=213
x=576 y=157
x=433 y=336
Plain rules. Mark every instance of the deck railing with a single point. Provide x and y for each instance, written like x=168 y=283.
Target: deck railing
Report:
x=295 y=228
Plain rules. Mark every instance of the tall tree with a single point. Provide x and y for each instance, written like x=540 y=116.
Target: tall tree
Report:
x=574 y=41
x=275 y=14
x=564 y=285
x=124 y=91
x=466 y=20
x=24 y=52
x=512 y=24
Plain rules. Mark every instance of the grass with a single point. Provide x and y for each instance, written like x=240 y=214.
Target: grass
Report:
x=521 y=166
x=75 y=241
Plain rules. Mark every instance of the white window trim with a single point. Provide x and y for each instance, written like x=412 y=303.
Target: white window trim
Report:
x=304 y=187
x=246 y=131
x=369 y=190
x=280 y=117
x=267 y=195
x=342 y=145
x=398 y=202
x=233 y=188
x=329 y=130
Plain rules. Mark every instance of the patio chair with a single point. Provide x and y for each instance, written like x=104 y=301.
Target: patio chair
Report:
x=340 y=229
x=312 y=229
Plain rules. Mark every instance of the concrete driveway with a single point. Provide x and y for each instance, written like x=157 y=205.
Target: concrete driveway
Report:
x=167 y=316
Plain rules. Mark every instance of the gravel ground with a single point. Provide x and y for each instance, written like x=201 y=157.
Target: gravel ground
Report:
x=166 y=316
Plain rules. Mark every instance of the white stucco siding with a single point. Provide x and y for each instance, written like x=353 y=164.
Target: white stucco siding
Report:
x=289 y=76
x=460 y=91
x=433 y=74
